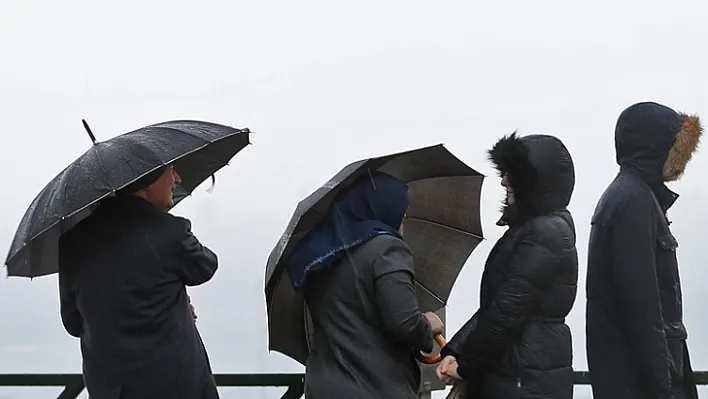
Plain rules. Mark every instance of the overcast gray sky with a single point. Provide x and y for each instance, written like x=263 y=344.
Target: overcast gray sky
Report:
x=323 y=84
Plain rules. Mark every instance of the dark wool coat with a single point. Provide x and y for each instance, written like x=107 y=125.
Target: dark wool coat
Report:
x=367 y=325
x=122 y=278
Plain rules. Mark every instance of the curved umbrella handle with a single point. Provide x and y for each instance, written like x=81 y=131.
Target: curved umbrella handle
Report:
x=432 y=359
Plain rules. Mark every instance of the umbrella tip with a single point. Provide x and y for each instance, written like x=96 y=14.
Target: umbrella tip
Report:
x=213 y=183
x=88 y=130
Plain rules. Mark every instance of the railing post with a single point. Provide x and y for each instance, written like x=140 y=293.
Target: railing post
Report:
x=294 y=392
x=72 y=390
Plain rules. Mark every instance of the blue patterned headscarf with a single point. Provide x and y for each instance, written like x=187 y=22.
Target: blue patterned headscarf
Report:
x=374 y=204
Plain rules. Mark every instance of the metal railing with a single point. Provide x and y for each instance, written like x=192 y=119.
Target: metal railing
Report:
x=73 y=384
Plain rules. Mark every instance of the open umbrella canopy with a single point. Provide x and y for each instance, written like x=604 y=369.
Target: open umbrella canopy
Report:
x=442 y=229
x=196 y=149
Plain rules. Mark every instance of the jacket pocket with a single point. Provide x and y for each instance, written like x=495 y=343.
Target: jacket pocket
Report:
x=667 y=242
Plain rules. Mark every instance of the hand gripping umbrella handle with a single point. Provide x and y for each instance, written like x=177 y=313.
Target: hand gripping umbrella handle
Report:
x=432 y=359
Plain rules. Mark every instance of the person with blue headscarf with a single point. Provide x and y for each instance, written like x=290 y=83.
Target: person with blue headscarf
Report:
x=357 y=276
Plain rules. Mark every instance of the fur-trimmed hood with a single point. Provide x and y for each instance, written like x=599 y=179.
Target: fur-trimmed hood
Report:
x=656 y=139
x=657 y=142
x=540 y=170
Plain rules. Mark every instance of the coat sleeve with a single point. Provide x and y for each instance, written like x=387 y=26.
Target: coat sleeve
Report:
x=454 y=345
x=634 y=245
x=200 y=263
x=532 y=268
x=70 y=316
x=396 y=300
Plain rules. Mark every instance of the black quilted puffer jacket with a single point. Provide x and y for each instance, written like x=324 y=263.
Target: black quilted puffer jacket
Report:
x=517 y=344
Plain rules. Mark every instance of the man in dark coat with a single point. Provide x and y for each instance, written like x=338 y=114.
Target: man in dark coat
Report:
x=636 y=340
x=122 y=278
x=517 y=344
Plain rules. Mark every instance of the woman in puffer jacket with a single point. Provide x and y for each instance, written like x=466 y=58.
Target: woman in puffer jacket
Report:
x=517 y=344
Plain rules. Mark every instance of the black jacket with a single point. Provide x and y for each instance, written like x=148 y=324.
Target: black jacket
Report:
x=517 y=344
x=122 y=278
x=636 y=339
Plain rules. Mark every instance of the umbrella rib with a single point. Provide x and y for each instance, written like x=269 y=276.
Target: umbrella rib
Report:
x=447 y=227
x=186 y=133
x=447 y=176
x=430 y=292
x=103 y=166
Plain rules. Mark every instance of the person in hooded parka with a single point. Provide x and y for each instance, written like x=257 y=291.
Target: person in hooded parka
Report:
x=636 y=339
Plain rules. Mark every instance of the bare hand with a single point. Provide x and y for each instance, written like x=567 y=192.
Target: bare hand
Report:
x=443 y=366
x=191 y=308
x=447 y=370
x=435 y=323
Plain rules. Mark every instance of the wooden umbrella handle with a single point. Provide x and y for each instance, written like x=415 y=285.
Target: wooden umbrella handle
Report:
x=435 y=358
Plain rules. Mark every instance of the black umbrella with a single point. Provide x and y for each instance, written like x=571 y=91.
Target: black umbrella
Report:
x=197 y=150
x=442 y=228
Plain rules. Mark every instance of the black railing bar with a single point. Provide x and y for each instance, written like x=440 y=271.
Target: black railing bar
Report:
x=259 y=379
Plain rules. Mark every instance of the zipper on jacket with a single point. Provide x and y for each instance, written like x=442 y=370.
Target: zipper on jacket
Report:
x=517 y=357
